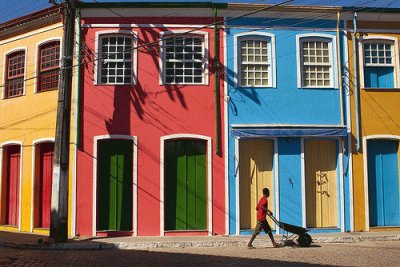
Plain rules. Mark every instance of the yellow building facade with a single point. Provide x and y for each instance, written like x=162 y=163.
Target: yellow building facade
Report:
x=374 y=94
x=30 y=56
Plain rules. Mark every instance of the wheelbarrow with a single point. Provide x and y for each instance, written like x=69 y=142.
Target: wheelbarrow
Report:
x=291 y=232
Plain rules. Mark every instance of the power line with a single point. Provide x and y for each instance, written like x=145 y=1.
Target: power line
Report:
x=196 y=29
x=174 y=35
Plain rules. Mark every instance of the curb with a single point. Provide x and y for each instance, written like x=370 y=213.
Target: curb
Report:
x=137 y=245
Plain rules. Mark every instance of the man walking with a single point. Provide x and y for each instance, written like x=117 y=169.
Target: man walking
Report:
x=262 y=223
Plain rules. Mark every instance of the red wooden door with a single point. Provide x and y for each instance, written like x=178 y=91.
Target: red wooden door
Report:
x=46 y=174
x=13 y=171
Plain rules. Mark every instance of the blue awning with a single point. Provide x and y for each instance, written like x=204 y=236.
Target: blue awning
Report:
x=289 y=131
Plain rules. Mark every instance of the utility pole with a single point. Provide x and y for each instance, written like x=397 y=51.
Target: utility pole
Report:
x=59 y=198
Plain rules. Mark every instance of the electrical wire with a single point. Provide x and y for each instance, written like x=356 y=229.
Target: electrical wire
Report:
x=190 y=31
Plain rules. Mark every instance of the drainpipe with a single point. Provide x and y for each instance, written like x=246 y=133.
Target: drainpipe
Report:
x=356 y=89
x=216 y=88
x=339 y=61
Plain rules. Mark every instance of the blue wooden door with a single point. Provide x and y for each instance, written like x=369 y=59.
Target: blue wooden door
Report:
x=383 y=183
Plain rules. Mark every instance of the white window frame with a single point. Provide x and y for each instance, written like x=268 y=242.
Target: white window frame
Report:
x=5 y=74
x=96 y=62
x=205 y=58
x=333 y=70
x=261 y=36
x=395 y=53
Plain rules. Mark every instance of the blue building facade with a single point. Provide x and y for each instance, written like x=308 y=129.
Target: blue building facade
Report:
x=286 y=123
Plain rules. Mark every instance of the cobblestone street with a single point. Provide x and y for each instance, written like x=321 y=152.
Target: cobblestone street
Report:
x=385 y=253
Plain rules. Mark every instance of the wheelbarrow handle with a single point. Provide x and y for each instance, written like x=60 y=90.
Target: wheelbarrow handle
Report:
x=274 y=219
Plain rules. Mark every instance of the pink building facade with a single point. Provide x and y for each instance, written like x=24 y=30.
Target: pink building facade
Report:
x=150 y=159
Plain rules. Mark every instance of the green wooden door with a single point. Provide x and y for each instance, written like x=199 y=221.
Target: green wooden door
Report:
x=185 y=185
x=114 y=185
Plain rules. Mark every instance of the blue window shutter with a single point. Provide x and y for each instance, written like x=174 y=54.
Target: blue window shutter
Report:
x=379 y=77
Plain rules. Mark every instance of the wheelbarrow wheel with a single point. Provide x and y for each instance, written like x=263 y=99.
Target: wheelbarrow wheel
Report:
x=304 y=240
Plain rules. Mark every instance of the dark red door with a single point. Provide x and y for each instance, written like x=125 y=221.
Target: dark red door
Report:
x=13 y=171
x=46 y=174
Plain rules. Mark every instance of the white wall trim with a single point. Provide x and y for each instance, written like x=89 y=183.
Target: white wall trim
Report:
x=97 y=56
x=276 y=183
x=226 y=134
x=209 y=177
x=272 y=125
x=255 y=35
x=206 y=51
x=76 y=122
x=134 y=177
x=37 y=53
x=6 y=54
x=34 y=143
x=20 y=143
x=257 y=28
x=142 y=25
x=237 y=174
x=303 y=183
x=349 y=131
x=365 y=159
x=396 y=67
x=340 y=144
x=332 y=54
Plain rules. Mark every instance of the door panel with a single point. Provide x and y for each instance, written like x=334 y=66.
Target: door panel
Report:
x=13 y=176
x=321 y=183
x=185 y=185
x=114 y=185
x=46 y=173
x=383 y=183
x=255 y=159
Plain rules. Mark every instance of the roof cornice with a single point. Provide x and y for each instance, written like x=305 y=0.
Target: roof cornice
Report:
x=31 y=21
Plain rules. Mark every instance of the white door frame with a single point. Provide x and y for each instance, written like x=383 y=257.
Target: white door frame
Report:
x=340 y=179
x=134 y=174
x=365 y=160
x=275 y=173
x=209 y=177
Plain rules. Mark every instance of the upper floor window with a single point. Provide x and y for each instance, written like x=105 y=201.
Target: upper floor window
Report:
x=184 y=59
x=15 y=74
x=316 y=61
x=255 y=65
x=379 y=64
x=49 y=66
x=115 y=59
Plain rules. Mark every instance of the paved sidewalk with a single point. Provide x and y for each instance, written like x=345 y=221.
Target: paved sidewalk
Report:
x=33 y=241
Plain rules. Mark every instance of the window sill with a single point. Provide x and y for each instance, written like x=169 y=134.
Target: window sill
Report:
x=318 y=88
x=381 y=89
x=184 y=84
x=114 y=84
x=48 y=90
x=255 y=87
x=12 y=97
